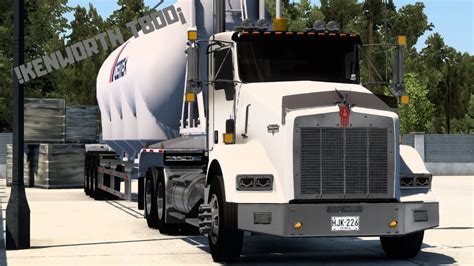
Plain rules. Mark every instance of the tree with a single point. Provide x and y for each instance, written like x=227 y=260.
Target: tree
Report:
x=77 y=83
x=301 y=15
x=44 y=23
x=128 y=10
x=344 y=12
x=450 y=74
x=411 y=21
x=416 y=116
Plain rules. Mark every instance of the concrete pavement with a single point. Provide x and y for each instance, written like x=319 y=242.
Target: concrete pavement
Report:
x=69 y=228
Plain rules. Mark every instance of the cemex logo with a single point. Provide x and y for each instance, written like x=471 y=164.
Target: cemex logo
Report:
x=119 y=68
x=344 y=109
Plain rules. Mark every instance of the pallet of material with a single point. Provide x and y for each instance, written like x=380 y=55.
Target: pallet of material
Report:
x=82 y=124
x=60 y=166
x=30 y=164
x=44 y=120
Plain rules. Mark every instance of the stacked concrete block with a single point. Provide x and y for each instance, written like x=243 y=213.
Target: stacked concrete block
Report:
x=30 y=164
x=56 y=134
x=82 y=124
x=60 y=165
x=44 y=120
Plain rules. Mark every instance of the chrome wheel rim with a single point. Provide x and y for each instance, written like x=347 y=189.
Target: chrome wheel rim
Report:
x=160 y=200
x=214 y=218
x=148 y=193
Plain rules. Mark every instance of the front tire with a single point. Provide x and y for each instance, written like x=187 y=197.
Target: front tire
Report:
x=402 y=247
x=225 y=240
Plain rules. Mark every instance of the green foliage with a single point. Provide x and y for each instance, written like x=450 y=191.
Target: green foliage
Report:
x=301 y=15
x=75 y=83
x=416 y=116
x=451 y=78
x=344 y=12
x=128 y=10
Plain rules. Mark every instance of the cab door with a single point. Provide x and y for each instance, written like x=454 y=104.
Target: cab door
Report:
x=221 y=93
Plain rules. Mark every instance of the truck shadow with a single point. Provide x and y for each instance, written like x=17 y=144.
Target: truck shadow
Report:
x=259 y=249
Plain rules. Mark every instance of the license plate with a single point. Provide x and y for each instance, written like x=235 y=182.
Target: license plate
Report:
x=345 y=223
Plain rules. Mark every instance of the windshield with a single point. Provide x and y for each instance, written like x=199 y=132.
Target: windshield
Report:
x=282 y=58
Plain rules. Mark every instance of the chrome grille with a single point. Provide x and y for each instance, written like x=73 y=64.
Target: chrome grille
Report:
x=342 y=162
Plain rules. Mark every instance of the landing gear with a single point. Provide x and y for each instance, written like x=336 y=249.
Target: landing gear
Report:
x=402 y=247
x=225 y=240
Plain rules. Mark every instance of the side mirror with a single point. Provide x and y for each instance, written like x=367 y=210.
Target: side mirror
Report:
x=398 y=87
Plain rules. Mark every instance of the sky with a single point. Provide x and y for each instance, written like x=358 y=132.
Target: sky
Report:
x=453 y=19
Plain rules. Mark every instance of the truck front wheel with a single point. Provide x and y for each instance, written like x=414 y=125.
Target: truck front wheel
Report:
x=225 y=240
x=402 y=247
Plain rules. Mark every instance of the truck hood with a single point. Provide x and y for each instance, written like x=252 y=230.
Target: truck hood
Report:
x=268 y=95
x=271 y=93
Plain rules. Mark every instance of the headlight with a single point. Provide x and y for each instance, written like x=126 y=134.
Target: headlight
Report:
x=415 y=181
x=254 y=182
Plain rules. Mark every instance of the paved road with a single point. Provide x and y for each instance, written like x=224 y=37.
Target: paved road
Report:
x=70 y=228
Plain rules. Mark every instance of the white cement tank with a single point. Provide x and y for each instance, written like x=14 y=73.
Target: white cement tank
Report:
x=140 y=85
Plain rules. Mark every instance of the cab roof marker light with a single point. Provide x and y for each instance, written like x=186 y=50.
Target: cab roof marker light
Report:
x=289 y=33
x=267 y=33
x=255 y=33
x=300 y=33
x=278 y=33
x=244 y=33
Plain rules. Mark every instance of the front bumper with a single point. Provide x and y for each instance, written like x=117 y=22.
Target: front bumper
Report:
x=279 y=219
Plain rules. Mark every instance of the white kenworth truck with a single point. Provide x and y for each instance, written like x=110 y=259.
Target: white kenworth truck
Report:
x=231 y=127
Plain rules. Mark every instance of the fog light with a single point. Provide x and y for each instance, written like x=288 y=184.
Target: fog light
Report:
x=393 y=224
x=298 y=225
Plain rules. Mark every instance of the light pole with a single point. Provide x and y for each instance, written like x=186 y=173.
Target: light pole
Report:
x=18 y=211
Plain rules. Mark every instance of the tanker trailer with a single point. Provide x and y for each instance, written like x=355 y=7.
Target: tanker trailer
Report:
x=250 y=129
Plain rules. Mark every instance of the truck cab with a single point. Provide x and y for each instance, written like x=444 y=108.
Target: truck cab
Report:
x=299 y=148
x=276 y=136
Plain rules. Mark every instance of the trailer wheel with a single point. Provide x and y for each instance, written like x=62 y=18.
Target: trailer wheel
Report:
x=402 y=247
x=86 y=174
x=225 y=240
x=97 y=194
x=93 y=174
x=151 y=213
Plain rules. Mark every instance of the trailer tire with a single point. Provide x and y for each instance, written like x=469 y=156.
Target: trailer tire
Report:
x=225 y=241
x=87 y=174
x=92 y=176
x=151 y=213
x=402 y=247
x=97 y=194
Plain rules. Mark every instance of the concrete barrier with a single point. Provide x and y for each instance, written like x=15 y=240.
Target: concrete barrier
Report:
x=444 y=154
